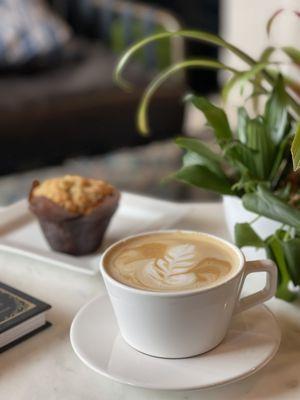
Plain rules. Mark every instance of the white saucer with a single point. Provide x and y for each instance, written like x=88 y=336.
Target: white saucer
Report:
x=251 y=343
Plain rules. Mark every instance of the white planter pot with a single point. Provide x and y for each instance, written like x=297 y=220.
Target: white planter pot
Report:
x=236 y=213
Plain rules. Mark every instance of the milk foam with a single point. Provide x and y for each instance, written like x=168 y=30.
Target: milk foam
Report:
x=170 y=262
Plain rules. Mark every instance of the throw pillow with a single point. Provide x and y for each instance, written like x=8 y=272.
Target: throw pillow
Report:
x=29 y=30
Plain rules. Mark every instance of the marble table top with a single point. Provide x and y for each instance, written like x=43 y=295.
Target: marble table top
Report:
x=45 y=366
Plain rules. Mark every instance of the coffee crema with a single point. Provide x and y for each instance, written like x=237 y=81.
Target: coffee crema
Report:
x=171 y=261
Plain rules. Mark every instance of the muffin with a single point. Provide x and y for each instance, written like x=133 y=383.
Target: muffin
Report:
x=73 y=212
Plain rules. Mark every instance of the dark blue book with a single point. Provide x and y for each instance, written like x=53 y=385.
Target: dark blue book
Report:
x=21 y=316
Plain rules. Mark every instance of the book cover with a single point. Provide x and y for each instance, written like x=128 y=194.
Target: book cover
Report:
x=17 y=307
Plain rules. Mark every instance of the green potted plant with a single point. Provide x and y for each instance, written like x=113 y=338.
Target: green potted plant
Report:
x=253 y=167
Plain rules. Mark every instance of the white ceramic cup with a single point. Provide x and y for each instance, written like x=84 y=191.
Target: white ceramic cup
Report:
x=184 y=323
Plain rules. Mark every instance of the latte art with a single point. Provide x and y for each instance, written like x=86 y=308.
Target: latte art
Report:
x=170 y=262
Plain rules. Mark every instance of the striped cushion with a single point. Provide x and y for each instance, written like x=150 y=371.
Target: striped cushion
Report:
x=29 y=29
x=118 y=27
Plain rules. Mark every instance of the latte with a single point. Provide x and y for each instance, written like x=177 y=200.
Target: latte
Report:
x=171 y=261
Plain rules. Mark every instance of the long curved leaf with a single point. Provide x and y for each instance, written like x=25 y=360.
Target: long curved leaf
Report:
x=257 y=80
x=188 y=34
x=193 y=35
x=266 y=54
x=272 y=19
x=201 y=176
x=142 y=119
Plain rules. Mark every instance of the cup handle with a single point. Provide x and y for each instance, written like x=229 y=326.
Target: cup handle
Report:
x=266 y=293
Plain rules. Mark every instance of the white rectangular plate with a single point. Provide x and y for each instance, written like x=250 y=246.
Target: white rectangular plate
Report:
x=21 y=234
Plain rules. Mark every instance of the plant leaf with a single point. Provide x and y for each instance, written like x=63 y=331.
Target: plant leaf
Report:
x=142 y=118
x=292 y=84
x=245 y=235
x=201 y=176
x=292 y=255
x=196 y=146
x=238 y=154
x=201 y=36
x=241 y=78
x=199 y=153
x=266 y=54
x=243 y=120
x=292 y=53
x=276 y=113
x=191 y=158
x=229 y=85
x=284 y=193
x=272 y=19
x=263 y=202
x=276 y=253
x=215 y=116
x=257 y=80
x=279 y=157
x=258 y=140
x=295 y=149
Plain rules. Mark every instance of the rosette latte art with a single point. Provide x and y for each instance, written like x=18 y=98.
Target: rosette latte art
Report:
x=170 y=262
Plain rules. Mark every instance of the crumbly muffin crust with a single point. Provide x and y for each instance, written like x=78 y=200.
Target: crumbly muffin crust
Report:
x=76 y=194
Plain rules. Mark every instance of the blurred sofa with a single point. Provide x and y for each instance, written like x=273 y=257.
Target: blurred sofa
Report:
x=74 y=107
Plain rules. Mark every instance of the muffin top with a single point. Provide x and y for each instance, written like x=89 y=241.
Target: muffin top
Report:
x=74 y=193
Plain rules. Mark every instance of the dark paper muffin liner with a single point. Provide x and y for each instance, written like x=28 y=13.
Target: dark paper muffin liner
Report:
x=75 y=234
